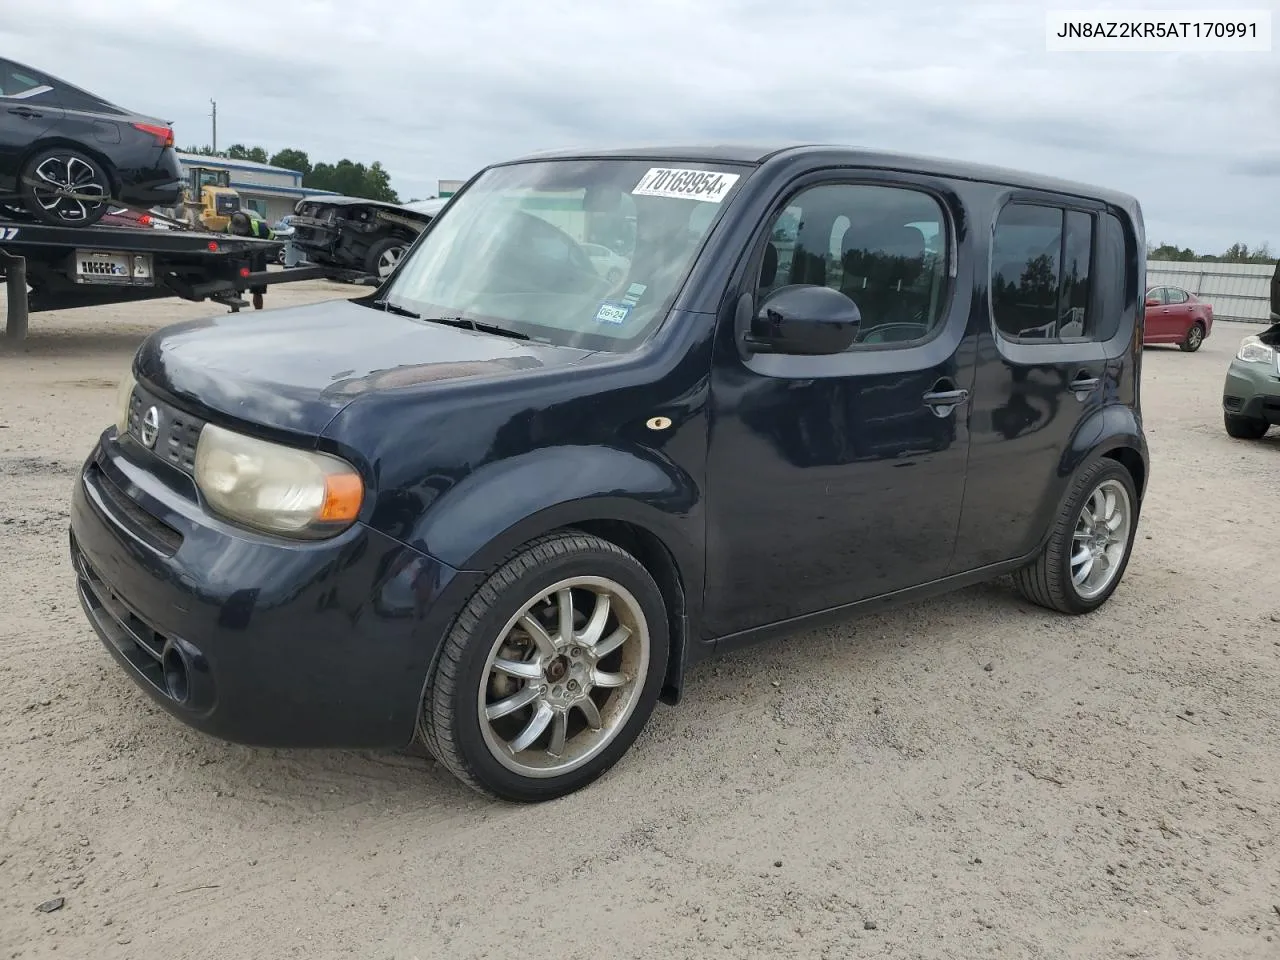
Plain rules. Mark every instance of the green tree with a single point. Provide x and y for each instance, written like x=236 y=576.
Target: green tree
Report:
x=353 y=180
x=238 y=151
x=1240 y=253
x=292 y=159
x=346 y=176
x=1236 y=253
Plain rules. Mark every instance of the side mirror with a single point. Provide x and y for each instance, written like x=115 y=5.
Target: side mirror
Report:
x=1152 y=302
x=805 y=319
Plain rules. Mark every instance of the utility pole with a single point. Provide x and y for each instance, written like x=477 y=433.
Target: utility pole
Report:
x=215 y=124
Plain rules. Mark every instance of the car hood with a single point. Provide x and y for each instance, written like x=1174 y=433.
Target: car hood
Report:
x=344 y=201
x=291 y=371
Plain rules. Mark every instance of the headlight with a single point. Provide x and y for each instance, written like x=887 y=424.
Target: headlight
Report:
x=276 y=488
x=124 y=398
x=1253 y=350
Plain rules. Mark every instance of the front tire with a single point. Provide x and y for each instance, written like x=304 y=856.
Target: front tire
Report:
x=384 y=256
x=1244 y=428
x=550 y=672
x=1194 y=338
x=64 y=168
x=1088 y=549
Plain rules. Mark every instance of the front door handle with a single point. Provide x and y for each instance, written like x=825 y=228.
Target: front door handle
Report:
x=26 y=112
x=942 y=402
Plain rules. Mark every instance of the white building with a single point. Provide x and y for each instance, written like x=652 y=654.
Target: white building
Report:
x=1237 y=291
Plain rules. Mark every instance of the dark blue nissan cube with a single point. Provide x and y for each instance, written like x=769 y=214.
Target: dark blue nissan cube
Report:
x=614 y=413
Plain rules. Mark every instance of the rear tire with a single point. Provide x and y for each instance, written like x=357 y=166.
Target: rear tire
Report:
x=65 y=167
x=531 y=713
x=1244 y=428
x=1194 y=338
x=1088 y=549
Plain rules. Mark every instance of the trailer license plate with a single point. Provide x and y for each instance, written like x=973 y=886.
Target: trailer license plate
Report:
x=109 y=267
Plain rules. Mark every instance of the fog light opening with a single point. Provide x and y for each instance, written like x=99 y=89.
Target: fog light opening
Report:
x=175 y=674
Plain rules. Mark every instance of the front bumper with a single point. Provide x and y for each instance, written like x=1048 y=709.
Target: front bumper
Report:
x=1252 y=390
x=315 y=233
x=251 y=638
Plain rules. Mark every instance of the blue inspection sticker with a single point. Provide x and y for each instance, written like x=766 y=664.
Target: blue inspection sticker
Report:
x=613 y=311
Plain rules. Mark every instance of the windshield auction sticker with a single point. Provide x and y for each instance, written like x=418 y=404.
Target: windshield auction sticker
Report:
x=611 y=311
x=708 y=185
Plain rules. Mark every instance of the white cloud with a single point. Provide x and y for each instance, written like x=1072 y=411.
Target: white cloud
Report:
x=437 y=89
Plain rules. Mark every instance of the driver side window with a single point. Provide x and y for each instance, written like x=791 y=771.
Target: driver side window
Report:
x=883 y=247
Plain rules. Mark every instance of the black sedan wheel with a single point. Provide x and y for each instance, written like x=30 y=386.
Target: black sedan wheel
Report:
x=550 y=672
x=52 y=175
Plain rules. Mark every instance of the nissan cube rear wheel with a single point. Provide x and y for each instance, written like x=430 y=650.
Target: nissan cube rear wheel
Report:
x=550 y=672
x=1088 y=549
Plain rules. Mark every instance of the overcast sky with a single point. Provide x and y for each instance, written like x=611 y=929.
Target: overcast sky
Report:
x=437 y=88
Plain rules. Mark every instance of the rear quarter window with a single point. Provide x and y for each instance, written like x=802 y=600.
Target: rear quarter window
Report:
x=1058 y=274
x=21 y=84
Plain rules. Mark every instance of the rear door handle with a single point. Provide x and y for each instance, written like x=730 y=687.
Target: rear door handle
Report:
x=1083 y=384
x=26 y=112
x=944 y=401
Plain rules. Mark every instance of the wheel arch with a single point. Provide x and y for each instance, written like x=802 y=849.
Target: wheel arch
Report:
x=643 y=505
x=654 y=555
x=620 y=523
x=1115 y=432
x=48 y=142
x=1131 y=460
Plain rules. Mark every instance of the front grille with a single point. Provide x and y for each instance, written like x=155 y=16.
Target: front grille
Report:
x=150 y=530
x=176 y=432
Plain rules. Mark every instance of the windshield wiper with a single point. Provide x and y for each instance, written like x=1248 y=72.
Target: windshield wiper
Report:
x=398 y=310
x=469 y=324
x=465 y=322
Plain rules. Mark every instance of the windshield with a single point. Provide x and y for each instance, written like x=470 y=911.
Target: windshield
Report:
x=583 y=253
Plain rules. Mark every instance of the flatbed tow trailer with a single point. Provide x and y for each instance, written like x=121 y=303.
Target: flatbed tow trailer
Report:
x=69 y=267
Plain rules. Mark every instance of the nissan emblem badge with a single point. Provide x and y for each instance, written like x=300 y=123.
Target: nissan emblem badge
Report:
x=150 y=427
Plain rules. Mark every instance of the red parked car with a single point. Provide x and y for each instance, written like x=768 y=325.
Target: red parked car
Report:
x=1176 y=316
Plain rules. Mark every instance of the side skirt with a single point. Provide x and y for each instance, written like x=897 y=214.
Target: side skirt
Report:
x=849 y=611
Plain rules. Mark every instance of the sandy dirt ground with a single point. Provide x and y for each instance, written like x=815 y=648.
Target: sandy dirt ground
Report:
x=973 y=777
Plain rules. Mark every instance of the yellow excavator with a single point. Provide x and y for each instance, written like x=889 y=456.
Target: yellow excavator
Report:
x=209 y=199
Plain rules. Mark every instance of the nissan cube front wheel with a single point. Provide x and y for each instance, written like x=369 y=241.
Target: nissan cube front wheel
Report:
x=550 y=672
x=1088 y=548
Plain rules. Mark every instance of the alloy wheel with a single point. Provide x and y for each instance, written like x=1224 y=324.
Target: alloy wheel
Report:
x=564 y=677
x=60 y=174
x=1101 y=538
